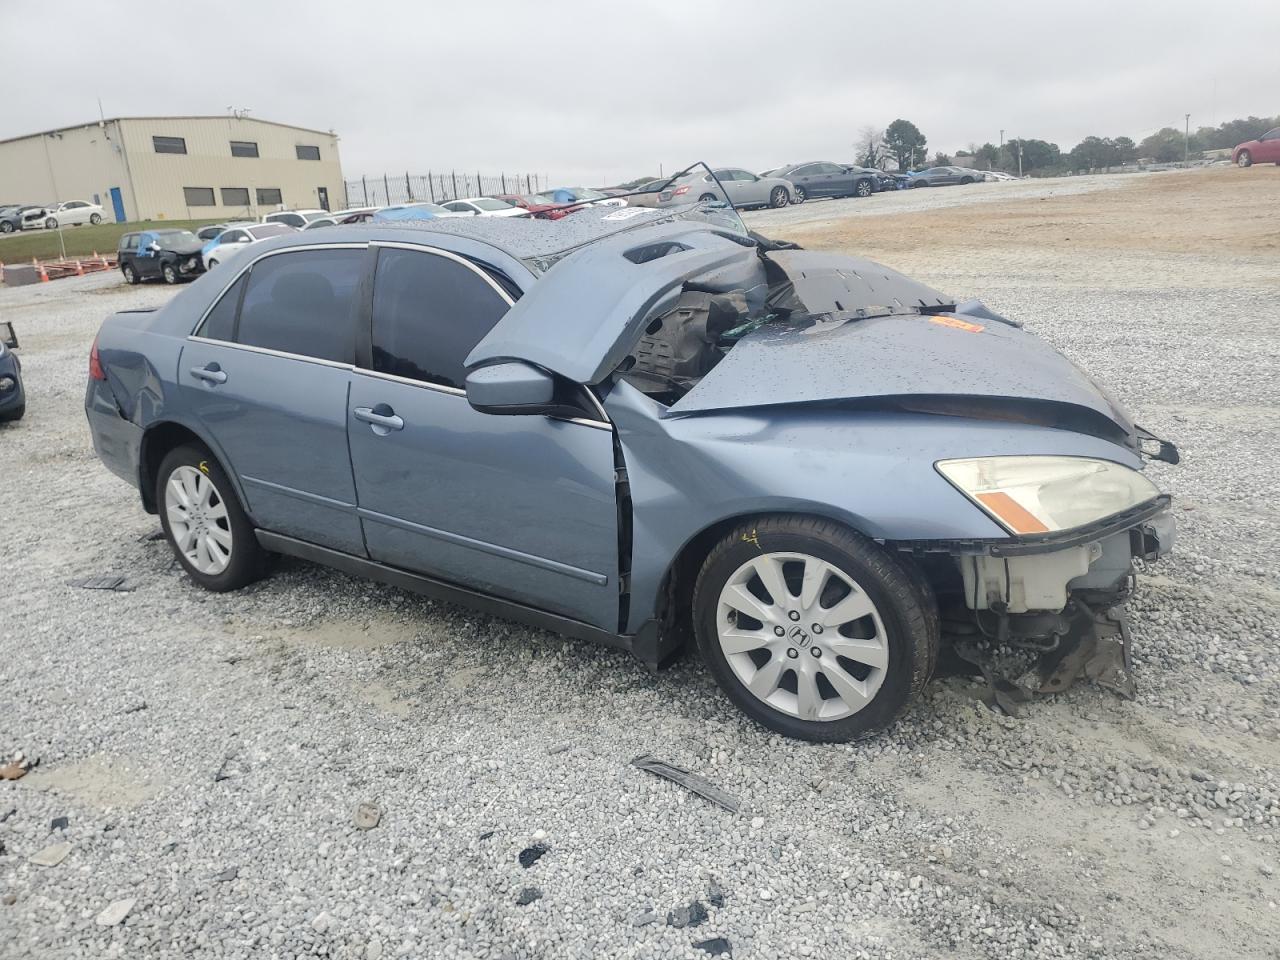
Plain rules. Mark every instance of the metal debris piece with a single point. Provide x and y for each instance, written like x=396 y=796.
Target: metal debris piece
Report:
x=51 y=855
x=690 y=781
x=644 y=918
x=527 y=896
x=716 y=946
x=104 y=582
x=367 y=816
x=226 y=875
x=115 y=912
x=691 y=915
x=135 y=707
x=715 y=894
x=7 y=814
x=487 y=834
x=59 y=823
x=531 y=855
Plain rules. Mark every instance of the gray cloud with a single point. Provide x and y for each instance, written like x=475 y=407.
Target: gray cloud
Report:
x=600 y=92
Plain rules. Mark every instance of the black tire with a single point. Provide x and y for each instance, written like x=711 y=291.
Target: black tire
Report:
x=778 y=197
x=248 y=559
x=13 y=415
x=799 y=196
x=966 y=179
x=863 y=188
x=95 y=218
x=1245 y=158
x=130 y=274
x=901 y=597
x=707 y=198
x=6 y=226
x=170 y=273
x=51 y=224
x=916 y=184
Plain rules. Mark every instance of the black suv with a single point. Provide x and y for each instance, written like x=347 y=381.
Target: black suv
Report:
x=169 y=254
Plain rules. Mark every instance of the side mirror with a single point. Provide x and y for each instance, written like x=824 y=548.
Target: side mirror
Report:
x=153 y=247
x=511 y=388
x=7 y=336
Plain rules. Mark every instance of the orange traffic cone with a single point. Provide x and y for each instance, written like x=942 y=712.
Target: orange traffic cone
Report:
x=44 y=274
x=79 y=269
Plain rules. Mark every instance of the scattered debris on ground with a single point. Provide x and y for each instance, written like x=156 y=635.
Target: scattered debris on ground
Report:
x=692 y=782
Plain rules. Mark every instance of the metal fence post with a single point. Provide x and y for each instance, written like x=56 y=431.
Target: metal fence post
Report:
x=386 y=188
x=408 y=186
x=454 y=175
x=430 y=188
x=364 y=190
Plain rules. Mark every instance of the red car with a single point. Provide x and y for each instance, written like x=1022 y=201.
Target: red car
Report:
x=1266 y=149
x=542 y=207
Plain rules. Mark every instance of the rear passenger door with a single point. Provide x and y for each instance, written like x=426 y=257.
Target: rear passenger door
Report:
x=519 y=507
x=266 y=377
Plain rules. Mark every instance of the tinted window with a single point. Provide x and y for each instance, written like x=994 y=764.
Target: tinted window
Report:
x=428 y=314
x=235 y=196
x=307 y=153
x=127 y=241
x=220 y=324
x=744 y=175
x=269 y=196
x=304 y=303
x=198 y=196
x=169 y=144
x=233 y=236
x=244 y=148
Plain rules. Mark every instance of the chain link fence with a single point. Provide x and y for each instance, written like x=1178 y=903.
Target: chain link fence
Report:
x=388 y=188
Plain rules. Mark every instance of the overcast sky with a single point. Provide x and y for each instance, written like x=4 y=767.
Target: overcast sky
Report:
x=601 y=92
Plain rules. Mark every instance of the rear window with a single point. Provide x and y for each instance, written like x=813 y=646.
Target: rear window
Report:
x=220 y=324
x=304 y=303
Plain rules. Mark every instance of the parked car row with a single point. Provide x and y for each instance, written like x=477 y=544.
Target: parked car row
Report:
x=48 y=216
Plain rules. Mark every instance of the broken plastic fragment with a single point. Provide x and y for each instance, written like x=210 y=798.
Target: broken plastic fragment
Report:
x=690 y=781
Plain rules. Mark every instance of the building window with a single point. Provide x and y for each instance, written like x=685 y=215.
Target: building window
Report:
x=269 y=196
x=199 y=196
x=307 y=152
x=244 y=148
x=235 y=196
x=169 y=144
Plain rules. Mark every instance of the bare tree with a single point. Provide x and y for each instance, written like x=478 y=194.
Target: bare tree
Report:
x=870 y=147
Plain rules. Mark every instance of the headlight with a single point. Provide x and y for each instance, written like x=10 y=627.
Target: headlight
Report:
x=1029 y=495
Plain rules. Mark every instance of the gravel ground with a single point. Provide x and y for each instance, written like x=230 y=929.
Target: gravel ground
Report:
x=210 y=753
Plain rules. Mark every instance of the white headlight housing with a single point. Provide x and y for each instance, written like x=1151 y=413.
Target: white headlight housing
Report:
x=1030 y=495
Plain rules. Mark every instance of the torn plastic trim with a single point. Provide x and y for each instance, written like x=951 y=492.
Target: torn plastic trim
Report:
x=1043 y=542
x=1165 y=451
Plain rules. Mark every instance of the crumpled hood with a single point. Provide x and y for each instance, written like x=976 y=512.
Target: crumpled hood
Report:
x=182 y=247
x=956 y=364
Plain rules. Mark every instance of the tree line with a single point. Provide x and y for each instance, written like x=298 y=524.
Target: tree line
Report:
x=902 y=143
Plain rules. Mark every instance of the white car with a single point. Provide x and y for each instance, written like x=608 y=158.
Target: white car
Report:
x=485 y=207
x=294 y=218
x=354 y=215
x=69 y=213
x=231 y=241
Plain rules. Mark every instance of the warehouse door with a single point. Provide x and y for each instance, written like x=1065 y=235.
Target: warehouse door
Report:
x=117 y=204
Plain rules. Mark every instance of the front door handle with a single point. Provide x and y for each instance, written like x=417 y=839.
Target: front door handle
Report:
x=381 y=419
x=211 y=373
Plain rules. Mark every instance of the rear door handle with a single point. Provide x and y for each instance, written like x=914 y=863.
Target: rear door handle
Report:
x=211 y=373
x=381 y=418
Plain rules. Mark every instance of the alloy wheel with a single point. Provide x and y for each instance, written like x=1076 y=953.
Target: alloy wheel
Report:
x=1245 y=159
x=802 y=636
x=864 y=188
x=198 y=520
x=800 y=196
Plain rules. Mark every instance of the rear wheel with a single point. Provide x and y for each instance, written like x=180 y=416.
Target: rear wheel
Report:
x=51 y=224
x=863 y=189
x=799 y=196
x=1245 y=158
x=95 y=218
x=778 y=197
x=204 y=522
x=811 y=629
x=6 y=226
x=130 y=274
x=707 y=197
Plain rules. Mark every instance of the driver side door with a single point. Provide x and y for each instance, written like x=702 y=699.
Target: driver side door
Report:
x=146 y=261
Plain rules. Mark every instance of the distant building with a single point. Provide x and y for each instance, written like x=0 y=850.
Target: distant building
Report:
x=176 y=168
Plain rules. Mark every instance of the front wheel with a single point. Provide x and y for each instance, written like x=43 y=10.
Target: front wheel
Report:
x=6 y=226
x=51 y=224
x=778 y=197
x=863 y=189
x=813 y=630
x=208 y=530
x=170 y=273
x=1245 y=158
x=707 y=198
x=95 y=218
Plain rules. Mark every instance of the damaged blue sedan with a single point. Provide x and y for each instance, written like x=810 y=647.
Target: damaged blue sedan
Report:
x=652 y=429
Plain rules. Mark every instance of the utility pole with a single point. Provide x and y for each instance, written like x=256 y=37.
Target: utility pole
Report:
x=1019 y=159
x=1186 y=143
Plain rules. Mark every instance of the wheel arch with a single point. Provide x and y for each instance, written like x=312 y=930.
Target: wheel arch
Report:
x=674 y=594
x=157 y=440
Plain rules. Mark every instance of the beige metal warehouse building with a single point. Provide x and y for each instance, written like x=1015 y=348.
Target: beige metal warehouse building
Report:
x=176 y=168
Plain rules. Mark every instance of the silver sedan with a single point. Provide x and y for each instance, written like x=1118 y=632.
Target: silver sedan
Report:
x=742 y=187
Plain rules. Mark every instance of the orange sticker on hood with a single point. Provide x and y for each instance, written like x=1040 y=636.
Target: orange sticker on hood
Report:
x=956 y=323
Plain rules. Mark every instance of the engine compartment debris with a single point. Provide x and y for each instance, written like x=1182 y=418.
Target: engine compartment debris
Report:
x=692 y=782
